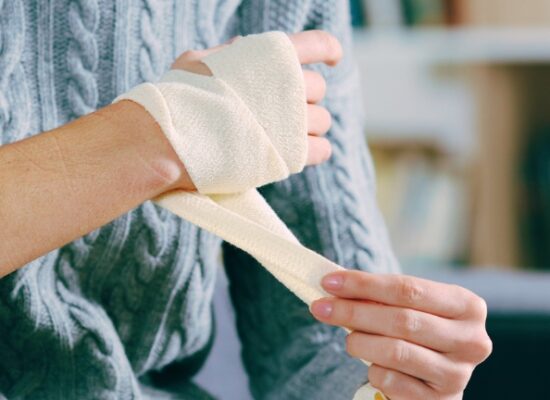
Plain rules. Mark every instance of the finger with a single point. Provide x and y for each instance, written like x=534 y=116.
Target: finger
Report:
x=438 y=371
x=319 y=120
x=316 y=86
x=197 y=55
x=191 y=59
x=317 y=47
x=233 y=39
x=441 y=299
x=319 y=150
x=414 y=326
x=191 y=56
x=398 y=386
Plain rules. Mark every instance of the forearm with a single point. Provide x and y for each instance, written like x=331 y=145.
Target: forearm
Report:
x=64 y=183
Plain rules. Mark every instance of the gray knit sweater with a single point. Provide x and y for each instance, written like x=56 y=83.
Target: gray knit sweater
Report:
x=125 y=312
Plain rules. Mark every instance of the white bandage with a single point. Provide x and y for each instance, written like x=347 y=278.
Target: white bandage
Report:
x=242 y=128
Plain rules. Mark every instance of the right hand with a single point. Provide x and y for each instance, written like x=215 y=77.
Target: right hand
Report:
x=311 y=47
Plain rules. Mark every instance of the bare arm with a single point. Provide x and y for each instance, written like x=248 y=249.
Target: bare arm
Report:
x=64 y=183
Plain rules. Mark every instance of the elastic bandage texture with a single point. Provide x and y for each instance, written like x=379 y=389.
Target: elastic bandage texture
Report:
x=243 y=127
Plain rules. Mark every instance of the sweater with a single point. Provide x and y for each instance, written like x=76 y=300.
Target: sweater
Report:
x=125 y=312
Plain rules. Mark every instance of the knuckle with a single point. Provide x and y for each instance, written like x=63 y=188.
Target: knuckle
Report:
x=487 y=347
x=477 y=306
x=457 y=379
x=406 y=323
x=189 y=55
x=316 y=77
x=186 y=59
x=464 y=295
x=481 y=348
x=361 y=281
x=165 y=173
x=380 y=378
x=327 y=118
x=328 y=41
x=351 y=344
x=347 y=312
x=316 y=83
x=399 y=353
x=328 y=153
x=409 y=290
x=373 y=375
x=322 y=83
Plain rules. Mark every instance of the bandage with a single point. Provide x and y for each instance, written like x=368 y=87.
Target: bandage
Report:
x=243 y=127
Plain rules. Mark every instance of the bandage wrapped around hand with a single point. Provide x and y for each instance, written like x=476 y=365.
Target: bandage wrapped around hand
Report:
x=243 y=127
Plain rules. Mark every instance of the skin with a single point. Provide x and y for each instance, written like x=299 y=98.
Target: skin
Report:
x=64 y=183
x=424 y=338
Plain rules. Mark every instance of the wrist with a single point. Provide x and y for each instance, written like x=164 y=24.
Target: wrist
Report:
x=162 y=166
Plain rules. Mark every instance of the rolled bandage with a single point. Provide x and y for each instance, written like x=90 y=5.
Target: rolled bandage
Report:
x=231 y=131
x=239 y=129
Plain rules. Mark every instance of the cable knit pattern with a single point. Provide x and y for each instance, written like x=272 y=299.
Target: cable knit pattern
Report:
x=82 y=56
x=334 y=212
x=125 y=312
x=14 y=97
x=150 y=55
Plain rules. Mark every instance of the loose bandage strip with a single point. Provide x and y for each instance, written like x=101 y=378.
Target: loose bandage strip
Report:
x=239 y=129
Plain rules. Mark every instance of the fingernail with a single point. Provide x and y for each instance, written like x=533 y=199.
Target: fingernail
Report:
x=322 y=309
x=333 y=282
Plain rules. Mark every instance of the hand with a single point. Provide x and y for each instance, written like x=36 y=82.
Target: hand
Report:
x=311 y=47
x=424 y=338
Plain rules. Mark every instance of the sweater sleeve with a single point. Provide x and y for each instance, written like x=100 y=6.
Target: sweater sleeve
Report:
x=331 y=209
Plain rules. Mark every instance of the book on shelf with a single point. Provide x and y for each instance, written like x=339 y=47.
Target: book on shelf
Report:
x=510 y=13
x=383 y=13
x=428 y=13
x=425 y=12
x=357 y=14
x=535 y=199
x=401 y=13
x=424 y=201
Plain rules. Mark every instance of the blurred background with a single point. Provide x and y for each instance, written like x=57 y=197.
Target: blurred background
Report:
x=458 y=118
x=456 y=98
x=457 y=105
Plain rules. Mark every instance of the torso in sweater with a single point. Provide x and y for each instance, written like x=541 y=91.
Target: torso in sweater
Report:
x=92 y=319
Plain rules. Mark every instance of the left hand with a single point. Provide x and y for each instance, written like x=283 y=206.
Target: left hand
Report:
x=313 y=46
x=424 y=338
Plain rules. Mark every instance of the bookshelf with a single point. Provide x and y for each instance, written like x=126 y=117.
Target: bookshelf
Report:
x=416 y=54
x=455 y=46
x=474 y=94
